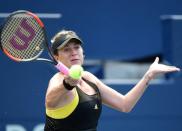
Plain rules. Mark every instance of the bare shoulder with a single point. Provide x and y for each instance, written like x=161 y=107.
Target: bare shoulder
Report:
x=88 y=75
x=91 y=77
x=56 y=80
x=56 y=77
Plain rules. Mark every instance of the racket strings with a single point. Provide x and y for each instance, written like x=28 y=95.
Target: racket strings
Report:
x=28 y=37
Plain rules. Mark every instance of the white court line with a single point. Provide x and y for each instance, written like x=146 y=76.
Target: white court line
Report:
x=41 y=15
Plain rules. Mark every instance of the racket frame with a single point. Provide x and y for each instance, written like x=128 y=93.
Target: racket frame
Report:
x=40 y=23
x=60 y=66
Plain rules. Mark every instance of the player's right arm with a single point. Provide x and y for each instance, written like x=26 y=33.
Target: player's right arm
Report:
x=57 y=95
x=55 y=91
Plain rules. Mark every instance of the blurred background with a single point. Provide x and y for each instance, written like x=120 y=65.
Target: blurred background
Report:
x=121 y=39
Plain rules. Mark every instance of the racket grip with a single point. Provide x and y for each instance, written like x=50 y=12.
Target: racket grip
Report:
x=62 y=68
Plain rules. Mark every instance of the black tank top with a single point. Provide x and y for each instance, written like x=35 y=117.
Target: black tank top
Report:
x=84 y=118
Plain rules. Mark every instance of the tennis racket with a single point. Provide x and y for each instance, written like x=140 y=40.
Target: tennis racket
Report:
x=23 y=38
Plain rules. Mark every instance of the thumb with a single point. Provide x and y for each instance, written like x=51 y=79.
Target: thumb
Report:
x=156 y=60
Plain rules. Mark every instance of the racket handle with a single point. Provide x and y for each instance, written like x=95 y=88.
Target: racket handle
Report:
x=62 y=68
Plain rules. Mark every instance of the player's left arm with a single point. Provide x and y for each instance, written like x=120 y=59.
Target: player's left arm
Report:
x=125 y=103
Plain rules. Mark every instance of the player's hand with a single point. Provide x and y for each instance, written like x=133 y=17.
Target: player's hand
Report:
x=157 y=68
x=71 y=81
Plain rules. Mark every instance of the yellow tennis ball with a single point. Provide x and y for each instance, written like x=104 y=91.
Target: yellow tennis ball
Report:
x=75 y=71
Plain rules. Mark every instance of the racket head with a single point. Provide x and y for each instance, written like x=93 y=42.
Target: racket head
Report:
x=23 y=36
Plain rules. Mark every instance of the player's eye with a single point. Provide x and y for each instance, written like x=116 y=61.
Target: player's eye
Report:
x=66 y=49
x=76 y=46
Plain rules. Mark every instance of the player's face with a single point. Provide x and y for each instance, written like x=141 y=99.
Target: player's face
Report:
x=71 y=54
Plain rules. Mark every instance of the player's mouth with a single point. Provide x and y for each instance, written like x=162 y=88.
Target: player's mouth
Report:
x=75 y=61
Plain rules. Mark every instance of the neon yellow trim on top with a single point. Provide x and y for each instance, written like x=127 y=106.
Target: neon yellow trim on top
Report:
x=63 y=112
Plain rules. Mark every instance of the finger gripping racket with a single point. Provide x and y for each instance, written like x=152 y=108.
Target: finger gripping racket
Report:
x=23 y=38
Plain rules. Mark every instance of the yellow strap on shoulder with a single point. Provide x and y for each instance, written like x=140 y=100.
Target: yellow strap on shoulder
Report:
x=63 y=112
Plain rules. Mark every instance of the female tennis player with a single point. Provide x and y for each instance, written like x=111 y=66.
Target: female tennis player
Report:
x=76 y=105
